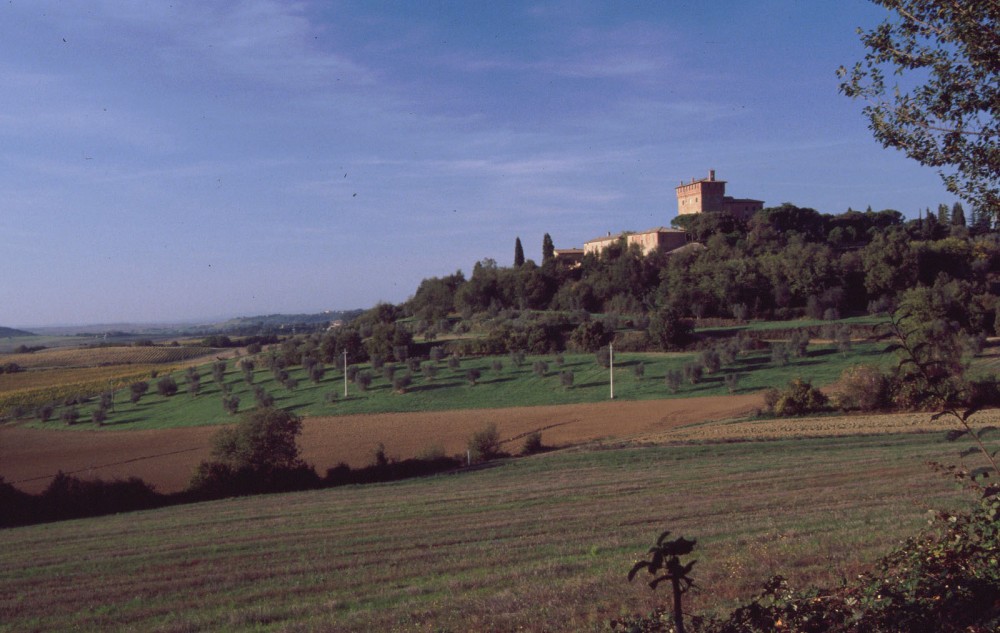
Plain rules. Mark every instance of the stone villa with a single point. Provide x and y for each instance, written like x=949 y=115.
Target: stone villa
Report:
x=703 y=195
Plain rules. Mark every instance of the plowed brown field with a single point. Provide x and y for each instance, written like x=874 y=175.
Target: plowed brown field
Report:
x=166 y=458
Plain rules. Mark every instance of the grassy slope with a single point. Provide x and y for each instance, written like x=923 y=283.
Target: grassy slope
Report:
x=450 y=390
x=540 y=543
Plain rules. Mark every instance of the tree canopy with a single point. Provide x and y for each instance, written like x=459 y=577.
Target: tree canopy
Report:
x=944 y=108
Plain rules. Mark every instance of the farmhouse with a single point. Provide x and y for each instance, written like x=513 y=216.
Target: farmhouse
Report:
x=648 y=241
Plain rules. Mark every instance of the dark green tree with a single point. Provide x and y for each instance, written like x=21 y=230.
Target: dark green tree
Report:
x=548 y=249
x=957 y=214
x=944 y=110
x=518 y=253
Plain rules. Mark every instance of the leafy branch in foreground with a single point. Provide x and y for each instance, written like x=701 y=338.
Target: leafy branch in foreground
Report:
x=666 y=565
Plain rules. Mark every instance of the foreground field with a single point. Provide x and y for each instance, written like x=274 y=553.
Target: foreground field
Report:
x=532 y=544
x=167 y=457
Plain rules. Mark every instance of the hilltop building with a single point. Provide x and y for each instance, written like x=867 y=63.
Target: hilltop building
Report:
x=648 y=241
x=707 y=195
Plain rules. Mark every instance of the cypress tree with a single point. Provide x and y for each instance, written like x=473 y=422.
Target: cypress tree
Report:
x=518 y=253
x=548 y=249
x=957 y=215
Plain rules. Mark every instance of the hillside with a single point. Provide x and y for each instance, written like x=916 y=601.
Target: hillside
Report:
x=9 y=332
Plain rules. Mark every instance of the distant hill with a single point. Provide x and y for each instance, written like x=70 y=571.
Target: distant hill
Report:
x=273 y=321
x=9 y=332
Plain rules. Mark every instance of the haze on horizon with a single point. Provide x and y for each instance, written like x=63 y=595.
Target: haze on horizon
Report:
x=174 y=162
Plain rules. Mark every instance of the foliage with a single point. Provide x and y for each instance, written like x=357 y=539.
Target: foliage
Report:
x=798 y=397
x=862 y=388
x=484 y=444
x=166 y=386
x=665 y=565
x=668 y=329
x=947 y=113
x=533 y=444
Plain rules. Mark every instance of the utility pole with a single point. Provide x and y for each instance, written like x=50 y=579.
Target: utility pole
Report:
x=345 y=373
x=611 y=367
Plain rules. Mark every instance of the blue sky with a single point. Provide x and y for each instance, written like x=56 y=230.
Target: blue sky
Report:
x=188 y=160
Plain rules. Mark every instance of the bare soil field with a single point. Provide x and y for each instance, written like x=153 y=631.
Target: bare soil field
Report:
x=166 y=458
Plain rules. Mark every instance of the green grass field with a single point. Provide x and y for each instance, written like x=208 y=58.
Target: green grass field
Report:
x=533 y=544
x=510 y=386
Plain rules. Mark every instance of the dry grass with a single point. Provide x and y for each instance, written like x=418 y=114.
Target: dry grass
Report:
x=824 y=426
x=537 y=544
x=103 y=356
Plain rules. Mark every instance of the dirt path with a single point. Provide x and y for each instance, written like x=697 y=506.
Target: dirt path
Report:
x=166 y=458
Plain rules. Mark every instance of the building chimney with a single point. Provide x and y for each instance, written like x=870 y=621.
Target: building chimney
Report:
x=711 y=174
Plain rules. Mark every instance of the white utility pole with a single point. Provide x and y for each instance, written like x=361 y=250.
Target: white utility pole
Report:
x=345 y=373
x=611 y=368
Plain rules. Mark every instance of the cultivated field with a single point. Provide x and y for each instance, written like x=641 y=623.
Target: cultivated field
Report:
x=167 y=457
x=534 y=544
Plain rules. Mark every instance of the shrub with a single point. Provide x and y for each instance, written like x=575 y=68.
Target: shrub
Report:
x=673 y=379
x=413 y=364
x=262 y=397
x=560 y=360
x=166 y=386
x=798 y=397
x=710 y=361
x=862 y=387
x=99 y=415
x=45 y=412
x=497 y=366
x=779 y=354
x=603 y=357
x=485 y=444
x=363 y=380
x=388 y=371
x=454 y=362
x=437 y=354
x=401 y=383
x=331 y=397
x=137 y=390
x=566 y=378
x=693 y=373
x=533 y=444
x=732 y=382
x=517 y=359
x=70 y=416
x=429 y=370
x=540 y=368
x=316 y=372
x=639 y=370
x=472 y=376
x=231 y=404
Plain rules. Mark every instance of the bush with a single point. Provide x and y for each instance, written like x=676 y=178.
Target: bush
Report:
x=732 y=382
x=137 y=390
x=497 y=366
x=863 y=388
x=98 y=416
x=798 y=397
x=533 y=444
x=70 y=416
x=401 y=383
x=672 y=380
x=166 y=386
x=603 y=357
x=363 y=380
x=639 y=370
x=540 y=368
x=693 y=373
x=566 y=378
x=45 y=412
x=454 y=362
x=472 y=376
x=485 y=444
